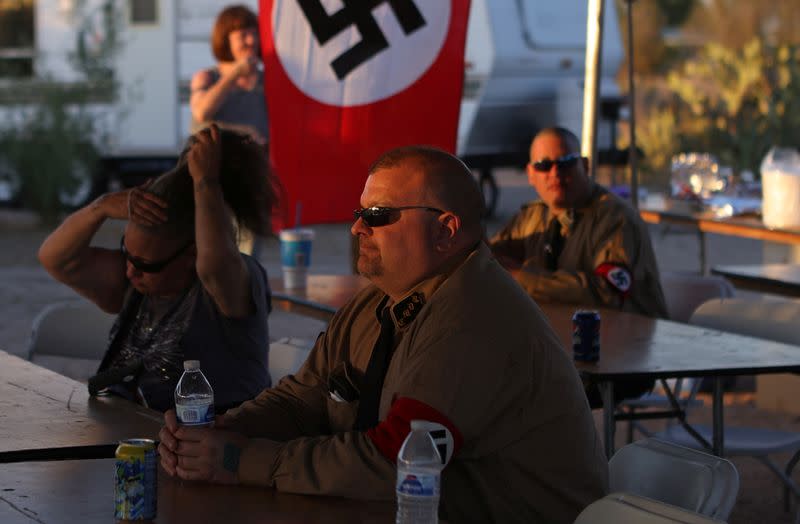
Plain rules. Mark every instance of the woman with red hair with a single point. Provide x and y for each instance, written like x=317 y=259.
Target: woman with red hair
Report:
x=231 y=94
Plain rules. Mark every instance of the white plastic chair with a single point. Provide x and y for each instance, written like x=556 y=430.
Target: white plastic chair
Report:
x=769 y=319
x=684 y=293
x=619 y=508
x=286 y=356
x=70 y=338
x=675 y=475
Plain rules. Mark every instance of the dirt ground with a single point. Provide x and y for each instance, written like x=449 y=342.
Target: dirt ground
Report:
x=25 y=289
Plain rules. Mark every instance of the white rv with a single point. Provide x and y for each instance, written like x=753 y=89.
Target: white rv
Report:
x=524 y=70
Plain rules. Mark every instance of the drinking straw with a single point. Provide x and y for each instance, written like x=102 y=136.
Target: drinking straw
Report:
x=298 y=209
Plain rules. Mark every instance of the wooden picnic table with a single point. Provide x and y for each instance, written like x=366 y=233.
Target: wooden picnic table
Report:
x=82 y=492
x=688 y=214
x=47 y=419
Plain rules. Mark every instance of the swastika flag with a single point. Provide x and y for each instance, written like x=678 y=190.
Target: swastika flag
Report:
x=349 y=79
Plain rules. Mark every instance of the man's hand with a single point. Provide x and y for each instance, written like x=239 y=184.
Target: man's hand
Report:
x=135 y=204
x=208 y=454
x=205 y=155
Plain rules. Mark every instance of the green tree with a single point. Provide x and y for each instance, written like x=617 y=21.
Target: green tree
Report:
x=734 y=103
x=52 y=139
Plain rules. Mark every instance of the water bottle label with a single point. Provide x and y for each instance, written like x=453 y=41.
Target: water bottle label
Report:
x=195 y=414
x=418 y=485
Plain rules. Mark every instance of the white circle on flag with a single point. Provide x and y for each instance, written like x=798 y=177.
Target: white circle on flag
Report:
x=332 y=61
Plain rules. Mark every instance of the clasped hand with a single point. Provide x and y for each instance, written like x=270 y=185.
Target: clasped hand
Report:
x=209 y=454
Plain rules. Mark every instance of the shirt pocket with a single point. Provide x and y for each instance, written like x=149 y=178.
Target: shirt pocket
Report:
x=341 y=415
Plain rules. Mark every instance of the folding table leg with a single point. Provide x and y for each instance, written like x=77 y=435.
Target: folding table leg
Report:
x=609 y=424
x=717 y=442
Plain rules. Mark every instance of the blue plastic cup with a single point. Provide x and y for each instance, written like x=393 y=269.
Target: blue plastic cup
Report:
x=295 y=256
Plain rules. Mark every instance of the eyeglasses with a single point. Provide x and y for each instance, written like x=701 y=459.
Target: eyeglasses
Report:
x=544 y=166
x=383 y=216
x=149 y=267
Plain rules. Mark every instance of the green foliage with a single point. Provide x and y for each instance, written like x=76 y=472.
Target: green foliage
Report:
x=50 y=148
x=52 y=144
x=734 y=103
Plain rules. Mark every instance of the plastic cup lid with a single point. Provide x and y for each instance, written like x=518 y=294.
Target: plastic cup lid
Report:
x=190 y=365
x=297 y=234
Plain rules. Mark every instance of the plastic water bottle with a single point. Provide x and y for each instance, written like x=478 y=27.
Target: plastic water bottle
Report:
x=194 y=398
x=419 y=468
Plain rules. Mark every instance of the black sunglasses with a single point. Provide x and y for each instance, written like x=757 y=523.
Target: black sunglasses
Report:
x=383 y=216
x=149 y=267
x=544 y=166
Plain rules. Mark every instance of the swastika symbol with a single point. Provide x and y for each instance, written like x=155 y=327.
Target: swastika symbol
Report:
x=358 y=13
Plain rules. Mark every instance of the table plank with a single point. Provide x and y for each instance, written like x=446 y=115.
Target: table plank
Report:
x=778 y=279
x=42 y=409
x=633 y=345
x=323 y=295
x=47 y=492
x=687 y=214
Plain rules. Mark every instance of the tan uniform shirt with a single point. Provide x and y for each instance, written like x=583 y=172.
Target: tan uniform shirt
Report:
x=475 y=352
x=604 y=235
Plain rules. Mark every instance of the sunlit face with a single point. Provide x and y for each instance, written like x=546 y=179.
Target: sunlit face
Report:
x=243 y=43
x=399 y=255
x=149 y=247
x=560 y=187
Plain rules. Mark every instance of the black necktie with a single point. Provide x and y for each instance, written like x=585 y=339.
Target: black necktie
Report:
x=554 y=243
x=373 y=378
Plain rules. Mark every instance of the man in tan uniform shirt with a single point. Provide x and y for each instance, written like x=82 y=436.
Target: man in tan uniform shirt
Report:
x=578 y=244
x=469 y=351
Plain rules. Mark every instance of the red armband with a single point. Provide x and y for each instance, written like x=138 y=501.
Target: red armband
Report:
x=389 y=434
x=617 y=275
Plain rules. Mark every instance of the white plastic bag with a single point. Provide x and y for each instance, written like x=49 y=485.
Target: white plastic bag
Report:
x=780 y=183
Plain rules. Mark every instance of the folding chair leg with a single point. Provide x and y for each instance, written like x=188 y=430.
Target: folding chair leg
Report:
x=630 y=425
x=789 y=486
x=789 y=467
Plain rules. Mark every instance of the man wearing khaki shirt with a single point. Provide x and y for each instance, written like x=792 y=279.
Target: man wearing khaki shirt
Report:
x=578 y=244
x=444 y=335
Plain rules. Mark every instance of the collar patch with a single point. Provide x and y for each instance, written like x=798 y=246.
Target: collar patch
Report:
x=407 y=309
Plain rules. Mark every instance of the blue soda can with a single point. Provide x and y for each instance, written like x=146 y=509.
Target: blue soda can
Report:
x=135 y=481
x=586 y=335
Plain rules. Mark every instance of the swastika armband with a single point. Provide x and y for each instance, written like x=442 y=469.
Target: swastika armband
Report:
x=617 y=275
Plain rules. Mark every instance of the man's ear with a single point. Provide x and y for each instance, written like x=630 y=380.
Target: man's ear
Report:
x=448 y=227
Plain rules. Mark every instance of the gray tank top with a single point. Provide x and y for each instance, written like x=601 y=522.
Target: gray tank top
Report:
x=241 y=108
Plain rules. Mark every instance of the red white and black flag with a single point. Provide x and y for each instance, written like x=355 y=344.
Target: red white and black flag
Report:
x=347 y=80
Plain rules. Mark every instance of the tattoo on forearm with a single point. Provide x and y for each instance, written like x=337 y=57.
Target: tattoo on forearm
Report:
x=230 y=457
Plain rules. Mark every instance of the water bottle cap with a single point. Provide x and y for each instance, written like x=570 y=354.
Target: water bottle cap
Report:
x=191 y=365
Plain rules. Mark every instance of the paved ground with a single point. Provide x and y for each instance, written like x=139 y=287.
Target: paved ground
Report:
x=25 y=289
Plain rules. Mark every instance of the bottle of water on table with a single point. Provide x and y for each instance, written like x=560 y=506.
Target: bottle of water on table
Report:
x=419 y=468
x=194 y=398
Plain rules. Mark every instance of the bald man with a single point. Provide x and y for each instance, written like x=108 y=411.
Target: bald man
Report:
x=578 y=244
x=444 y=335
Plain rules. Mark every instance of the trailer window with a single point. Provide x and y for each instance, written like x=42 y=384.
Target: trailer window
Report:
x=16 y=38
x=143 y=12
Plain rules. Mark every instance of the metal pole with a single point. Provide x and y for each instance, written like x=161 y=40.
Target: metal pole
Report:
x=632 y=111
x=594 y=46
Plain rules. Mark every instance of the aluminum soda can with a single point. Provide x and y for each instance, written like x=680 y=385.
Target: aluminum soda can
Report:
x=136 y=480
x=586 y=335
